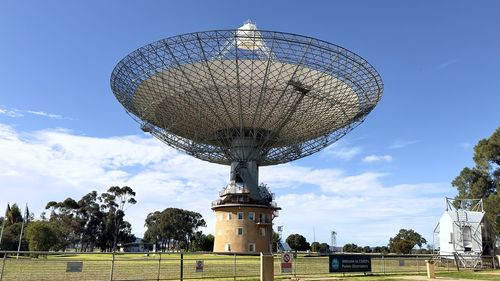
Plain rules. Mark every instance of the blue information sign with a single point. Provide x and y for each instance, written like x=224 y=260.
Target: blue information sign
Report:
x=350 y=263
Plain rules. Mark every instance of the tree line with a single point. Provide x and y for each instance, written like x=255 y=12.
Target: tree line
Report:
x=176 y=229
x=94 y=221
x=402 y=243
x=97 y=222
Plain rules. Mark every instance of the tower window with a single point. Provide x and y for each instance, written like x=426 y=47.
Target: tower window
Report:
x=229 y=216
x=251 y=247
x=240 y=215
x=263 y=231
x=227 y=247
x=239 y=231
x=251 y=216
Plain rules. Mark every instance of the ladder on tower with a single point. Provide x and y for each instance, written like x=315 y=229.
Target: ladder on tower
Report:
x=467 y=259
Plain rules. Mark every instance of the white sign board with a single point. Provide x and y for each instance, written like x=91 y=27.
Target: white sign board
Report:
x=286 y=262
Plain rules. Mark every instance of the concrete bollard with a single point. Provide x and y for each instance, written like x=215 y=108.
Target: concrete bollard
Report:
x=431 y=273
x=266 y=267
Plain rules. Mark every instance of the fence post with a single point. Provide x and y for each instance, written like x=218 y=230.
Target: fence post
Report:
x=182 y=266
x=418 y=269
x=234 y=268
x=159 y=267
x=266 y=267
x=431 y=271
x=383 y=264
x=112 y=266
x=3 y=265
x=294 y=265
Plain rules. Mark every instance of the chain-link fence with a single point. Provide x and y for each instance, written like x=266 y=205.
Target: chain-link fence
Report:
x=304 y=265
x=55 y=266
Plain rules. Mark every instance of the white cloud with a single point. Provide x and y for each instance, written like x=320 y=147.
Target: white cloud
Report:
x=368 y=215
x=41 y=113
x=342 y=150
x=402 y=143
x=14 y=112
x=445 y=64
x=52 y=164
x=377 y=158
x=10 y=113
x=465 y=145
x=327 y=180
x=41 y=166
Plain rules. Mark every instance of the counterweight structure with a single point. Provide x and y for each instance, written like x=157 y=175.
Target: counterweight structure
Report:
x=464 y=232
x=246 y=98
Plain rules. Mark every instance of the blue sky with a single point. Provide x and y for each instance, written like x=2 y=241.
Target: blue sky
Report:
x=62 y=132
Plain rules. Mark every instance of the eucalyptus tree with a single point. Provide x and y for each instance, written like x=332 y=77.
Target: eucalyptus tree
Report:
x=43 y=236
x=483 y=180
x=94 y=220
x=91 y=220
x=298 y=242
x=116 y=229
x=64 y=215
x=173 y=228
x=405 y=240
x=11 y=229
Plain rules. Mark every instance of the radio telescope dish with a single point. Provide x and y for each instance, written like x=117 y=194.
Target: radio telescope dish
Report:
x=246 y=98
x=207 y=93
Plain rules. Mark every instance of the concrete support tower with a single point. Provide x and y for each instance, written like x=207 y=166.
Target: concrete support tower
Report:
x=245 y=212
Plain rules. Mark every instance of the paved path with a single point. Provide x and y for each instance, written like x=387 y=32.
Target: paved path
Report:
x=420 y=277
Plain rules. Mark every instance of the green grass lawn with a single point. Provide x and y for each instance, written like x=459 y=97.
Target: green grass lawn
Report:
x=478 y=275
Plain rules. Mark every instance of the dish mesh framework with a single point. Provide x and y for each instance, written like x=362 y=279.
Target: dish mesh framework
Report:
x=284 y=96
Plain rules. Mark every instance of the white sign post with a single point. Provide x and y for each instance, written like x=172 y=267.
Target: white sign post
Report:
x=286 y=262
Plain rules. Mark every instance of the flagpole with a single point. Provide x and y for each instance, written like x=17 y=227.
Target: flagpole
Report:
x=22 y=229
x=3 y=225
x=1 y=233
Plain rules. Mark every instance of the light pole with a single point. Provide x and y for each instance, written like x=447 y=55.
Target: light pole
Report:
x=334 y=240
x=280 y=235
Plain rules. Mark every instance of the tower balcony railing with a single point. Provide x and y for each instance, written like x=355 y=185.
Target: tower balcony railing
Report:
x=263 y=221
x=234 y=190
x=217 y=202
x=243 y=200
